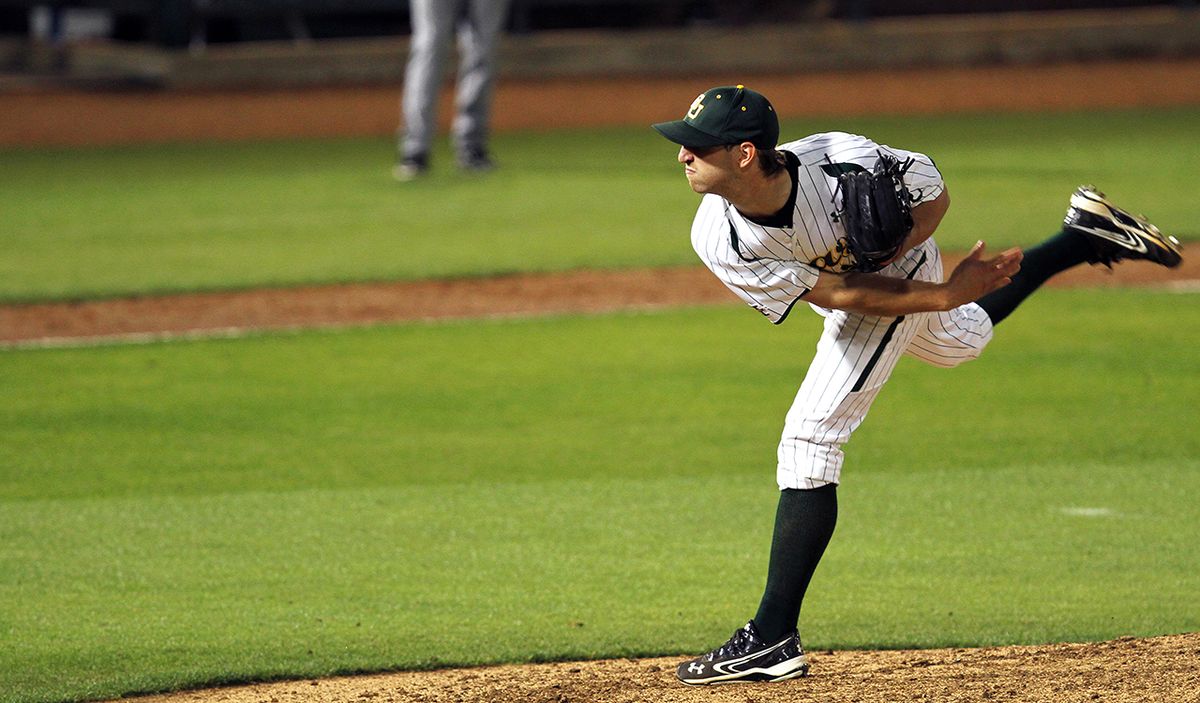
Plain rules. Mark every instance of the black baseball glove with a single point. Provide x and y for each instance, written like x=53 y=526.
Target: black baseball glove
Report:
x=876 y=211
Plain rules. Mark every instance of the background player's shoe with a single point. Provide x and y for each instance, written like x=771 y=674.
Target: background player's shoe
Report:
x=745 y=657
x=1115 y=234
x=411 y=167
x=475 y=160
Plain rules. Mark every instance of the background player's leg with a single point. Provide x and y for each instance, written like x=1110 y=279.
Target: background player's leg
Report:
x=804 y=523
x=477 y=39
x=433 y=23
x=1057 y=254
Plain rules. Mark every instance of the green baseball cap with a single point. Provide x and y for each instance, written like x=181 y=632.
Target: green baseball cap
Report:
x=726 y=115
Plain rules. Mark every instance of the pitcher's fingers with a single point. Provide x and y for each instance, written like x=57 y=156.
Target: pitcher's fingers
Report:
x=1013 y=255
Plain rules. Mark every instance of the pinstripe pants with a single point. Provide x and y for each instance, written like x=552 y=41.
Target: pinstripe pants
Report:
x=433 y=24
x=855 y=357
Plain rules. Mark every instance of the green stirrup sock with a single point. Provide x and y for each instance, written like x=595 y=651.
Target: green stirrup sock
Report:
x=1058 y=253
x=804 y=523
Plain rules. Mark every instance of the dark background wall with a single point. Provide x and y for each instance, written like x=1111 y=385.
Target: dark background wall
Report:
x=184 y=22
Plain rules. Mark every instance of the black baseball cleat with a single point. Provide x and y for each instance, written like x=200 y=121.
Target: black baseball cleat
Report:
x=745 y=657
x=1116 y=234
x=475 y=160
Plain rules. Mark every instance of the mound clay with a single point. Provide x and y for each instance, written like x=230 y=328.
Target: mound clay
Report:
x=1165 y=669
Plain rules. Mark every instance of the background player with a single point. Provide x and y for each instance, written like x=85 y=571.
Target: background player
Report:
x=433 y=25
x=764 y=228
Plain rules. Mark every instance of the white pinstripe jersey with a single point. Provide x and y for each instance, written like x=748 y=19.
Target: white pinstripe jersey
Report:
x=771 y=267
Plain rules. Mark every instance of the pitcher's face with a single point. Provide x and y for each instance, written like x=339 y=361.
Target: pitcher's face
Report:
x=708 y=169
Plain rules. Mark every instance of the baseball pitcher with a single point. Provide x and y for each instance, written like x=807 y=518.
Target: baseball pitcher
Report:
x=844 y=224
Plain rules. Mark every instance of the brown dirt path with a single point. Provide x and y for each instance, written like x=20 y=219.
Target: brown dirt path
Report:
x=43 y=117
x=209 y=314
x=1155 y=670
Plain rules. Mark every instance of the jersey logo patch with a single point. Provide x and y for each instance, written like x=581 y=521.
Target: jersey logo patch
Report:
x=838 y=259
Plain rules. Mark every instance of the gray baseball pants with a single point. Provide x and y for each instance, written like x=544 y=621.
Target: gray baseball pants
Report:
x=433 y=24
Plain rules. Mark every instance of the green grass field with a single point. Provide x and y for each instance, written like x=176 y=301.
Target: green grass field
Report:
x=105 y=222
x=286 y=505
x=189 y=513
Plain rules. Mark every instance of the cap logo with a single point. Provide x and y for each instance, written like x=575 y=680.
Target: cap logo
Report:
x=697 y=106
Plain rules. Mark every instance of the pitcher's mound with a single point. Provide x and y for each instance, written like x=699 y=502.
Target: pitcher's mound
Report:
x=1159 y=669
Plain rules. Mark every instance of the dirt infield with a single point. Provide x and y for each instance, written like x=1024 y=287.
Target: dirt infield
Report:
x=1155 y=670
x=210 y=314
